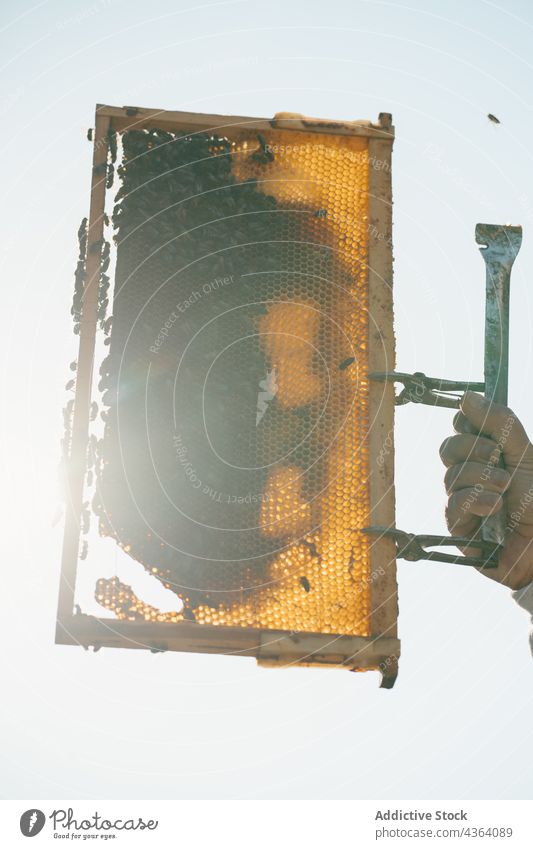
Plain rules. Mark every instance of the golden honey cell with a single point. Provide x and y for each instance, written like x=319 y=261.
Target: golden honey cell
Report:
x=257 y=351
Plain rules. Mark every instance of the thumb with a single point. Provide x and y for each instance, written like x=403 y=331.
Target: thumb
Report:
x=499 y=423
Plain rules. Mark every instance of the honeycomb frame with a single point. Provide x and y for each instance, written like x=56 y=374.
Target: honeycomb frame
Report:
x=380 y=648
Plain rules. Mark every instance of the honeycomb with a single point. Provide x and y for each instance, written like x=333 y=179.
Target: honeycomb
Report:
x=234 y=464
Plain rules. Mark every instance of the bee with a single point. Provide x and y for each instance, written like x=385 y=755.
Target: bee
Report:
x=493 y=118
x=263 y=154
x=70 y=385
x=90 y=134
x=345 y=363
x=189 y=614
x=321 y=213
x=351 y=562
x=305 y=583
x=311 y=546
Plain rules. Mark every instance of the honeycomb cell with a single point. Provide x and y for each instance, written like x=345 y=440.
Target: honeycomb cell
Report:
x=234 y=463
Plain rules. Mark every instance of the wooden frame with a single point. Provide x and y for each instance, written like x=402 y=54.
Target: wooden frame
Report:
x=379 y=651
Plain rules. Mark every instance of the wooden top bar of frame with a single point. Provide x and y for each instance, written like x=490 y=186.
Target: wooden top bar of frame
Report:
x=138 y=118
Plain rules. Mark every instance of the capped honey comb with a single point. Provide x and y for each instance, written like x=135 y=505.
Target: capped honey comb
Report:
x=234 y=464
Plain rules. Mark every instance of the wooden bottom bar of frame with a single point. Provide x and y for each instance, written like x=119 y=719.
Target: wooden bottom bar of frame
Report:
x=270 y=648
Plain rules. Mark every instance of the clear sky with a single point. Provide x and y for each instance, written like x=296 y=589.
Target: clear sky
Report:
x=122 y=724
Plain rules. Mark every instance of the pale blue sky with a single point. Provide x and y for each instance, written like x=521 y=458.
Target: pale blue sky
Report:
x=131 y=724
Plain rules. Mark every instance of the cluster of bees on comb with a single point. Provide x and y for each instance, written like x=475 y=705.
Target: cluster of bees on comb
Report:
x=261 y=382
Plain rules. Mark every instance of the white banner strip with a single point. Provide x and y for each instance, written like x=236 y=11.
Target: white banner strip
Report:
x=267 y=824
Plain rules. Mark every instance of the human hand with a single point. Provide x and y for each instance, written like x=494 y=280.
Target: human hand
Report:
x=475 y=484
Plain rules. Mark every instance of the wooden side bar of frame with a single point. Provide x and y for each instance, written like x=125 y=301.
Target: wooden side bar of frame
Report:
x=84 y=377
x=384 y=593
